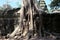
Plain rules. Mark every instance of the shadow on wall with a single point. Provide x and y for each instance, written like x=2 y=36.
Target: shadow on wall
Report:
x=51 y=22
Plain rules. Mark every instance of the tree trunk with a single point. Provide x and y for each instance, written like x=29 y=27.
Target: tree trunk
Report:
x=29 y=8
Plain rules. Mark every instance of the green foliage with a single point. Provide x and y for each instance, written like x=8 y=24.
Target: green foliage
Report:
x=55 y=4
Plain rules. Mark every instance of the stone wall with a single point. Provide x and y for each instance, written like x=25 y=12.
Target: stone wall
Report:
x=51 y=23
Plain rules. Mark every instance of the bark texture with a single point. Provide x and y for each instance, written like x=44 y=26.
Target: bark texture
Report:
x=26 y=20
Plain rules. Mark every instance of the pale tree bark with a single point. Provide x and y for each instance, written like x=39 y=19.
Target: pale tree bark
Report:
x=29 y=7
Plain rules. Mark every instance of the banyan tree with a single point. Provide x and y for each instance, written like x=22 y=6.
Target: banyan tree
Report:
x=30 y=20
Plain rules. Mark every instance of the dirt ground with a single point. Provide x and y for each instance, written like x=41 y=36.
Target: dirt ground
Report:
x=30 y=39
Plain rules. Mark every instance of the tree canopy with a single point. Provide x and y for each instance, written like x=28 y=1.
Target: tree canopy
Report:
x=55 y=4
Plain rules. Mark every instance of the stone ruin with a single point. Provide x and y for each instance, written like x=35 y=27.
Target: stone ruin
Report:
x=33 y=22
